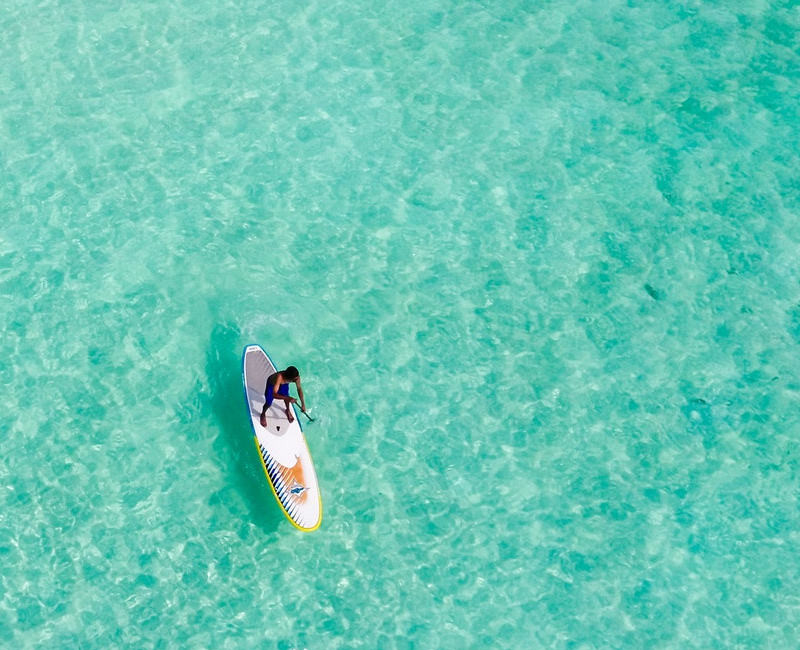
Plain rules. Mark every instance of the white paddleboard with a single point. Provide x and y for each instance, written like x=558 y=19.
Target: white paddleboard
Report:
x=281 y=445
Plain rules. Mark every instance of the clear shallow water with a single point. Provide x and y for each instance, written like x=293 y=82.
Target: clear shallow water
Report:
x=538 y=263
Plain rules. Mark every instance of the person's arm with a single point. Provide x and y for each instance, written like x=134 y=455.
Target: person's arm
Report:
x=300 y=393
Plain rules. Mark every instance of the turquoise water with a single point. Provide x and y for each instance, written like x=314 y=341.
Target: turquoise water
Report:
x=537 y=262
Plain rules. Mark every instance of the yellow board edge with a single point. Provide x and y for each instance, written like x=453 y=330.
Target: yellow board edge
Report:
x=272 y=487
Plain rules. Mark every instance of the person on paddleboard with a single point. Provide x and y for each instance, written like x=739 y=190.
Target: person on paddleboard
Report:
x=278 y=387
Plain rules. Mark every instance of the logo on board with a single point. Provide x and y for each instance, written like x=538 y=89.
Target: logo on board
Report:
x=297 y=488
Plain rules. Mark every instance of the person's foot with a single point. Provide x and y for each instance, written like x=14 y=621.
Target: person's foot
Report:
x=264 y=420
x=289 y=414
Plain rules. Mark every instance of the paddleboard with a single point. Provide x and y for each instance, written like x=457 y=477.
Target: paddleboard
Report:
x=281 y=445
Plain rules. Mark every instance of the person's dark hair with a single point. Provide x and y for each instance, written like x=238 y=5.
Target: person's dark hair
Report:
x=291 y=373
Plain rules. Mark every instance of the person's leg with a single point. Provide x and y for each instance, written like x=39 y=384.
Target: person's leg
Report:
x=283 y=391
x=268 y=397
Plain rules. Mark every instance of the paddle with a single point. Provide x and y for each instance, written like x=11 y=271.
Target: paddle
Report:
x=310 y=419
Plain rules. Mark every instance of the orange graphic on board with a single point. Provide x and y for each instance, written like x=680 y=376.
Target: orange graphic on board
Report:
x=293 y=479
